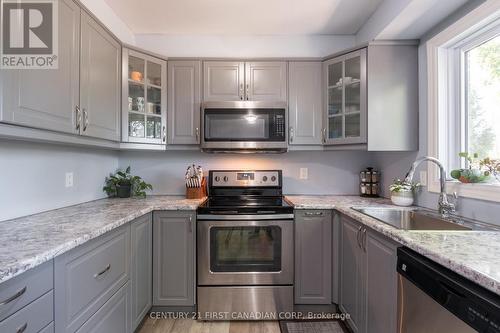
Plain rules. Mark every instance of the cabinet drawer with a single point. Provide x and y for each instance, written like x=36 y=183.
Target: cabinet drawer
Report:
x=23 y=289
x=112 y=317
x=88 y=276
x=32 y=318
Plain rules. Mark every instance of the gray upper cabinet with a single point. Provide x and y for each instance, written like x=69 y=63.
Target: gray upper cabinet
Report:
x=313 y=257
x=141 y=268
x=100 y=88
x=345 y=99
x=223 y=81
x=47 y=99
x=253 y=81
x=351 y=274
x=184 y=102
x=305 y=107
x=144 y=98
x=381 y=283
x=266 y=81
x=368 y=279
x=174 y=259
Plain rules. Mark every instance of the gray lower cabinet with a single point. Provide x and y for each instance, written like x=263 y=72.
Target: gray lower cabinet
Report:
x=100 y=85
x=305 y=106
x=47 y=99
x=184 y=102
x=174 y=259
x=32 y=318
x=313 y=256
x=368 y=279
x=141 y=268
x=86 y=277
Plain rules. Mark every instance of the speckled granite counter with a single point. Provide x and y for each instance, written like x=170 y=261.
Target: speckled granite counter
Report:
x=472 y=254
x=29 y=241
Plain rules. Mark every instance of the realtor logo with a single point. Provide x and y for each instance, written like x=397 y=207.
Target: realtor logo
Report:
x=29 y=34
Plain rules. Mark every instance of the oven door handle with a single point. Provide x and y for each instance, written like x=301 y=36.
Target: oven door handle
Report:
x=249 y=217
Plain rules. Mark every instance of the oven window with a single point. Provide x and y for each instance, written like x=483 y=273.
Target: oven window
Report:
x=245 y=249
x=244 y=125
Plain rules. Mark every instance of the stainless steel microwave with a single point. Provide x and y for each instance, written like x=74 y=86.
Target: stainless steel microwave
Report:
x=244 y=126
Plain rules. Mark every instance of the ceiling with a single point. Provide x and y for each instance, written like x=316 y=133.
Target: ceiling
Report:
x=238 y=17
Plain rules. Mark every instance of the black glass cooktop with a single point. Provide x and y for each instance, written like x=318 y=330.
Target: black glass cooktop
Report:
x=245 y=205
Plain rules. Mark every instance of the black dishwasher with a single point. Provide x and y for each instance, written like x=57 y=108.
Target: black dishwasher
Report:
x=432 y=298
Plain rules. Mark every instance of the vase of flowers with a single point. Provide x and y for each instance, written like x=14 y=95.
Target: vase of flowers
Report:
x=403 y=192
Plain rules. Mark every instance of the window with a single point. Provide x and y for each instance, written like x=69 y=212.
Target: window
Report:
x=463 y=95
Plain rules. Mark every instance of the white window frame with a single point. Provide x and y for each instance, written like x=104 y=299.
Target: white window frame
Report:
x=445 y=95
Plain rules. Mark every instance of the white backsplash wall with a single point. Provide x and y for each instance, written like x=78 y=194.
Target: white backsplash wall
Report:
x=32 y=176
x=328 y=172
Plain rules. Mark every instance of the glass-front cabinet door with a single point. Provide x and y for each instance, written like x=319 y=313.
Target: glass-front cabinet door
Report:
x=345 y=121
x=144 y=98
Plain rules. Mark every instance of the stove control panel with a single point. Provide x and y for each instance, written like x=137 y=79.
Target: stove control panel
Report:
x=245 y=178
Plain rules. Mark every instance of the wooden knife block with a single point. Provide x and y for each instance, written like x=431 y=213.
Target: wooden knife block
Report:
x=197 y=192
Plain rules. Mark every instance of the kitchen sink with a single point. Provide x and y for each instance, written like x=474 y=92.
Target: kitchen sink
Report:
x=421 y=219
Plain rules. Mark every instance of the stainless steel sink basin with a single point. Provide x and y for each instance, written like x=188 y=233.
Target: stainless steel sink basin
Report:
x=421 y=219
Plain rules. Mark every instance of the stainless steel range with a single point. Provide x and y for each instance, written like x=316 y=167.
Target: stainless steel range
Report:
x=245 y=246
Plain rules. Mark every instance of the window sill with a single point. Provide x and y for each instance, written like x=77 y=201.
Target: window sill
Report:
x=480 y=191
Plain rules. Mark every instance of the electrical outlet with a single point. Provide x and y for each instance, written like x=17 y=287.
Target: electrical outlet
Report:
x=69 y=179
x=423 y=178
x=304 y=173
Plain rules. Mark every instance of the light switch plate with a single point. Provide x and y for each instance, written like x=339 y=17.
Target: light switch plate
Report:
x=69 y=179
x=303 y=173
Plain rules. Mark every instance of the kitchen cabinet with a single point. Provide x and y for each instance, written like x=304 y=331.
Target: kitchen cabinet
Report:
x=174 y=259
x=86 y=277
x=313 y=256
x=82 y=96
x=141 y=268
x=100 y=81
x=47 y=98
x=367 y=92
x=368 y=278
x=144 y=102
x=305 y=104
x=184 y=102
x=346 y=111
x=236 y=80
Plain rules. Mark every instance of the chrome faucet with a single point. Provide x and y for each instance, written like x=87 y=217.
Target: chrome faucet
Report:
x=445 y=206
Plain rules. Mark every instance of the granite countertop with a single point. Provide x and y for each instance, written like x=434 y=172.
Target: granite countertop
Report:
x=472 y=254
x=32 y=240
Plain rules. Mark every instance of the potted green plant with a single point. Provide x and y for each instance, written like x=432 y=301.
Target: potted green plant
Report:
x=478 y=171
x=123 y=184
x=403 y=193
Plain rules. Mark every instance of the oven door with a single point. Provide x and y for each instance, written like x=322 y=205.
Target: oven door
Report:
x=245 y=252
x=243 y=125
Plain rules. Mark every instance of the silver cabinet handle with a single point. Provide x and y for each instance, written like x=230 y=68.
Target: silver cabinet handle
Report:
x=14 y=297
x=22 y=328
x=197 y=132
x=248 y=91
x=190 y=223
x=85 y=119
x=78 y=117
x=323 y=134
x=358 y=236
x=364 y=239
x=164 y=135
x=291 y=133
x=241 y=91
x=313 y=214
x=104 y=271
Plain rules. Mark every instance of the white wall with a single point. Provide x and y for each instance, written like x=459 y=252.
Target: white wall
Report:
x=329 y=172
x=395 y=165
x=243 y=46
x=32 y=176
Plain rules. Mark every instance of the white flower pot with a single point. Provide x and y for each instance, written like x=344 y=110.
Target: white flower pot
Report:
x=403 y=198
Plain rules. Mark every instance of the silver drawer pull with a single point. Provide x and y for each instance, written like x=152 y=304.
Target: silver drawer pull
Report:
x=13 y=297
x=104 y=271
x=313 y=214
x=22 y=328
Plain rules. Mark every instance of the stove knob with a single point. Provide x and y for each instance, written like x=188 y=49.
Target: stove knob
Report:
x=273 y=178
x=226 y=178
x=264 y=179
x=217 y=178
